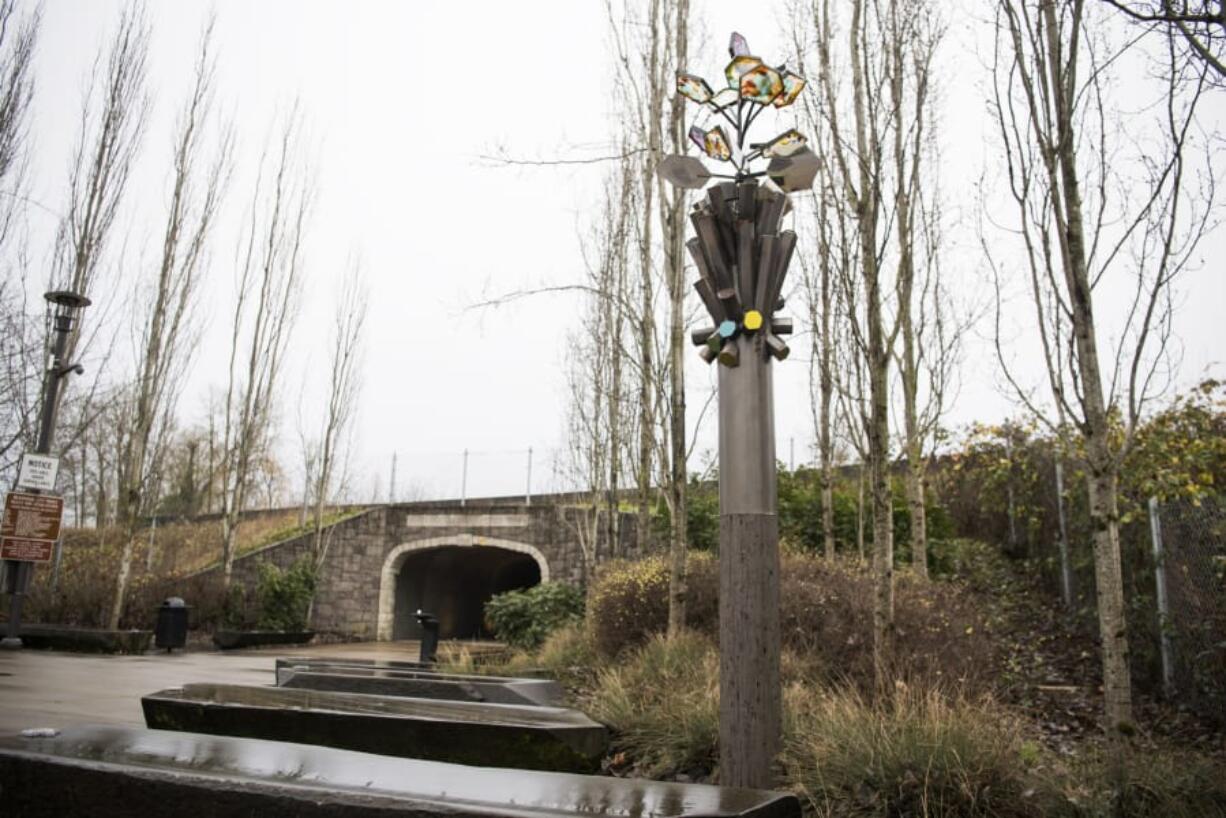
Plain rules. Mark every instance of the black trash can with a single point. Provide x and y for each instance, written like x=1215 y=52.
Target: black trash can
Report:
x=171 y=630
x=429 y=636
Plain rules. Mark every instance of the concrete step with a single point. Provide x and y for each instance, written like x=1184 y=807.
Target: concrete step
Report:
x=108 y=772
x=494 y=735
x=419 y=684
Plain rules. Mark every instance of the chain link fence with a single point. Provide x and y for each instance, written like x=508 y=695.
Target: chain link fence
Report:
x=1189 y=544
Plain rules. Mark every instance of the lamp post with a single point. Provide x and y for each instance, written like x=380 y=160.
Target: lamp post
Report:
x=64 y=309
x=742 y=257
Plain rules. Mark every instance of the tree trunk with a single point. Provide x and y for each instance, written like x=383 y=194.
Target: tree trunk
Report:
x=1104 y=520
x=918 y=514
x=675 y=270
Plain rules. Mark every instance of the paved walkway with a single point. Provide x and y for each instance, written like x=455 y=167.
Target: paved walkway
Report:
x=41 y=688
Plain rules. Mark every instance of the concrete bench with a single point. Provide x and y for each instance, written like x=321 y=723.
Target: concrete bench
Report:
x=419 y=684
x=85 y=640
x=109 y=772
x=494 y=735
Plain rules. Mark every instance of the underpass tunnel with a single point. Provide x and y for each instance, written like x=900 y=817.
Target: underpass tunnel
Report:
x=454 y=583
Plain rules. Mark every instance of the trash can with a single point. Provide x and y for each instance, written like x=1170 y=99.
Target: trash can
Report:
x=429 y=636
x=171 y=630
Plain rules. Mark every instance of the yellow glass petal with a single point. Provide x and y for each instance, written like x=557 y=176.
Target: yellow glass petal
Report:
x=761 y=84
x=717 y=145
x=739 y=66
x=793 y=84
x=785 y=144
x=694 y=88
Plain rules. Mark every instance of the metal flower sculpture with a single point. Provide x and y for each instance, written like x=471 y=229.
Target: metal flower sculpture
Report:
x=742 y=257
x=740 y=251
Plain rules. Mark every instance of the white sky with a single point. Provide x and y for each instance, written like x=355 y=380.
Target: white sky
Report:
x=401 y=100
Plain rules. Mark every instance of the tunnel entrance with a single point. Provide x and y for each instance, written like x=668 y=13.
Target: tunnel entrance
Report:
x=454 y=583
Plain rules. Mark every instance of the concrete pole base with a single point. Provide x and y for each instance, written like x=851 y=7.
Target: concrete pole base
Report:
x=750 y=715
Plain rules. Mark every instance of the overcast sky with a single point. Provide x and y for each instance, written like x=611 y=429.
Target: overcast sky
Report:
x=402 y=100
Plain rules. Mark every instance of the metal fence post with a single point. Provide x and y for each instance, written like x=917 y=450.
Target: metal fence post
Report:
x=1164 y=624
x=464 y=482
x=1066 y=571
x=528 y=487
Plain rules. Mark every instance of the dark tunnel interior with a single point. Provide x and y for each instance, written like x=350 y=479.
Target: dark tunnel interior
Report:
x=454 y=583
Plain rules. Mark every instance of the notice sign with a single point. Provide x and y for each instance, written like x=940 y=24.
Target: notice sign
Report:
x=38 y=472
x=30 y=527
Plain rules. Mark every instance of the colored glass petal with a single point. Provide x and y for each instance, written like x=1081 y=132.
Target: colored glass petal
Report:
x=739 y=66
x=698 y=137
x=684 y=171
x=793 y=84
x=694 y=88
x=737 y=46
x=761 y=84
x=725 y=97
x=785 y=144
x=716 y=144
x=752 y=320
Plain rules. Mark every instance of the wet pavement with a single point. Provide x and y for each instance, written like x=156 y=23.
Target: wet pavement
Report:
x=40 y=688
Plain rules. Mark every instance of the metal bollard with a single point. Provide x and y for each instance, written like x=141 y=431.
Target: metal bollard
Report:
x=429 y=637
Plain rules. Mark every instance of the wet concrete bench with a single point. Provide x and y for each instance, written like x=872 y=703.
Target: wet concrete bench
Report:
x=85 y=640
x=383 y=664
x=419 y=684
x=489 y=735
x=114 y=771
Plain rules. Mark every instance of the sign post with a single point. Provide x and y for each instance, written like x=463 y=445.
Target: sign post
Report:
x=31 y=523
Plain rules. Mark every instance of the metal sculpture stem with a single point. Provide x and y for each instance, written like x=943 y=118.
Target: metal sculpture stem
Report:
x=750 y=718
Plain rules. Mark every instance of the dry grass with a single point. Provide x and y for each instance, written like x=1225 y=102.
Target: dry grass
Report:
x=908 y=752
x=662 y=703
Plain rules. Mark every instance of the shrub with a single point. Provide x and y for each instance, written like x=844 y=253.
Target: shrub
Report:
x=628 y=601
x=826 y=612
x=912 y=752
x=662 y=703
x=1159 y=783
x=524 y=618
x=284 y=597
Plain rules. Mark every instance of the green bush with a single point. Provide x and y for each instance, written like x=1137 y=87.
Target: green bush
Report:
x=662 y=703
x=702 y=516
x=284 y=597
x=524 y=618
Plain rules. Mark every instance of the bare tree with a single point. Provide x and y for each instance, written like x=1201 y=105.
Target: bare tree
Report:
x=912 y=39
x=672 y=218
x=1100 y=203
x=344 y=385
x=829 y=240
x=860 y=160
x=168 y=329
x=18 y=38
x=598 y=409
x=649 y=51
x=270 y=263
x=113 y=118
x=1198 y=24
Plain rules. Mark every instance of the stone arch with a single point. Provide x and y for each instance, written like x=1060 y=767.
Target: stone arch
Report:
x=396 y=557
